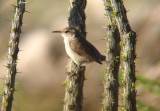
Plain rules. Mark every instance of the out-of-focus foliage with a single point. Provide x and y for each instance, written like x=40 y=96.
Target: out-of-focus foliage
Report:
x=141 y=106
x=149 y=85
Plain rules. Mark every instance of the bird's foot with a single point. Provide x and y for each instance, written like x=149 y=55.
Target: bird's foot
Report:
x=70 y=74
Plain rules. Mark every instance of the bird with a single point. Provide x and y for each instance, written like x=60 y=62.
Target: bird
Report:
x=78 y=48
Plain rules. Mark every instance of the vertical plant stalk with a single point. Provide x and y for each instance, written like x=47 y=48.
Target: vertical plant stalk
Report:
x=13 y=50
x=128 y=40
x=75 y=74
x=110 y=94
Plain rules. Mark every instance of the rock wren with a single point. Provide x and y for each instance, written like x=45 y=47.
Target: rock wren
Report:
x=78 y=48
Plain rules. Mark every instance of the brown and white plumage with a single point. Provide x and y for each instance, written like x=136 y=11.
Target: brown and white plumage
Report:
x=79 y=49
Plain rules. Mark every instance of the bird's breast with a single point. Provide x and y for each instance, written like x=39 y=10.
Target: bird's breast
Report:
x=72 y=54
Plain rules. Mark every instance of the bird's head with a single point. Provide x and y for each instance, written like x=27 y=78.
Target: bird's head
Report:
x=67 y=32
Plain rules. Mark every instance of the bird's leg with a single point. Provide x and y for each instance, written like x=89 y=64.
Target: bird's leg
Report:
x=70 y=72
x=76 y=68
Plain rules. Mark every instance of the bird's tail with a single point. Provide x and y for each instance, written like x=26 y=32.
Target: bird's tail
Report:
x=102 y=58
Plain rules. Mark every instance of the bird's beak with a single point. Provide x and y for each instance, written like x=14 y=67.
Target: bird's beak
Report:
x=57 y=31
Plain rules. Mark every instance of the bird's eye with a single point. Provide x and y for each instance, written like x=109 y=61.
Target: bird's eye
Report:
x=66 y=31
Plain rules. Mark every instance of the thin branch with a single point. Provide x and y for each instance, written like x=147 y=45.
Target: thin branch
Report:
x=110 y=94
x=75 y=74
x=128 y=40
x=9 y=86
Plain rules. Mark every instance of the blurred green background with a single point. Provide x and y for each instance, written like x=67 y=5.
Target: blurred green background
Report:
x=42 y=60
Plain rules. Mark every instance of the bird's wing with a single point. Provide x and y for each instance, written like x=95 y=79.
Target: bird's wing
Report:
x=85 y=49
